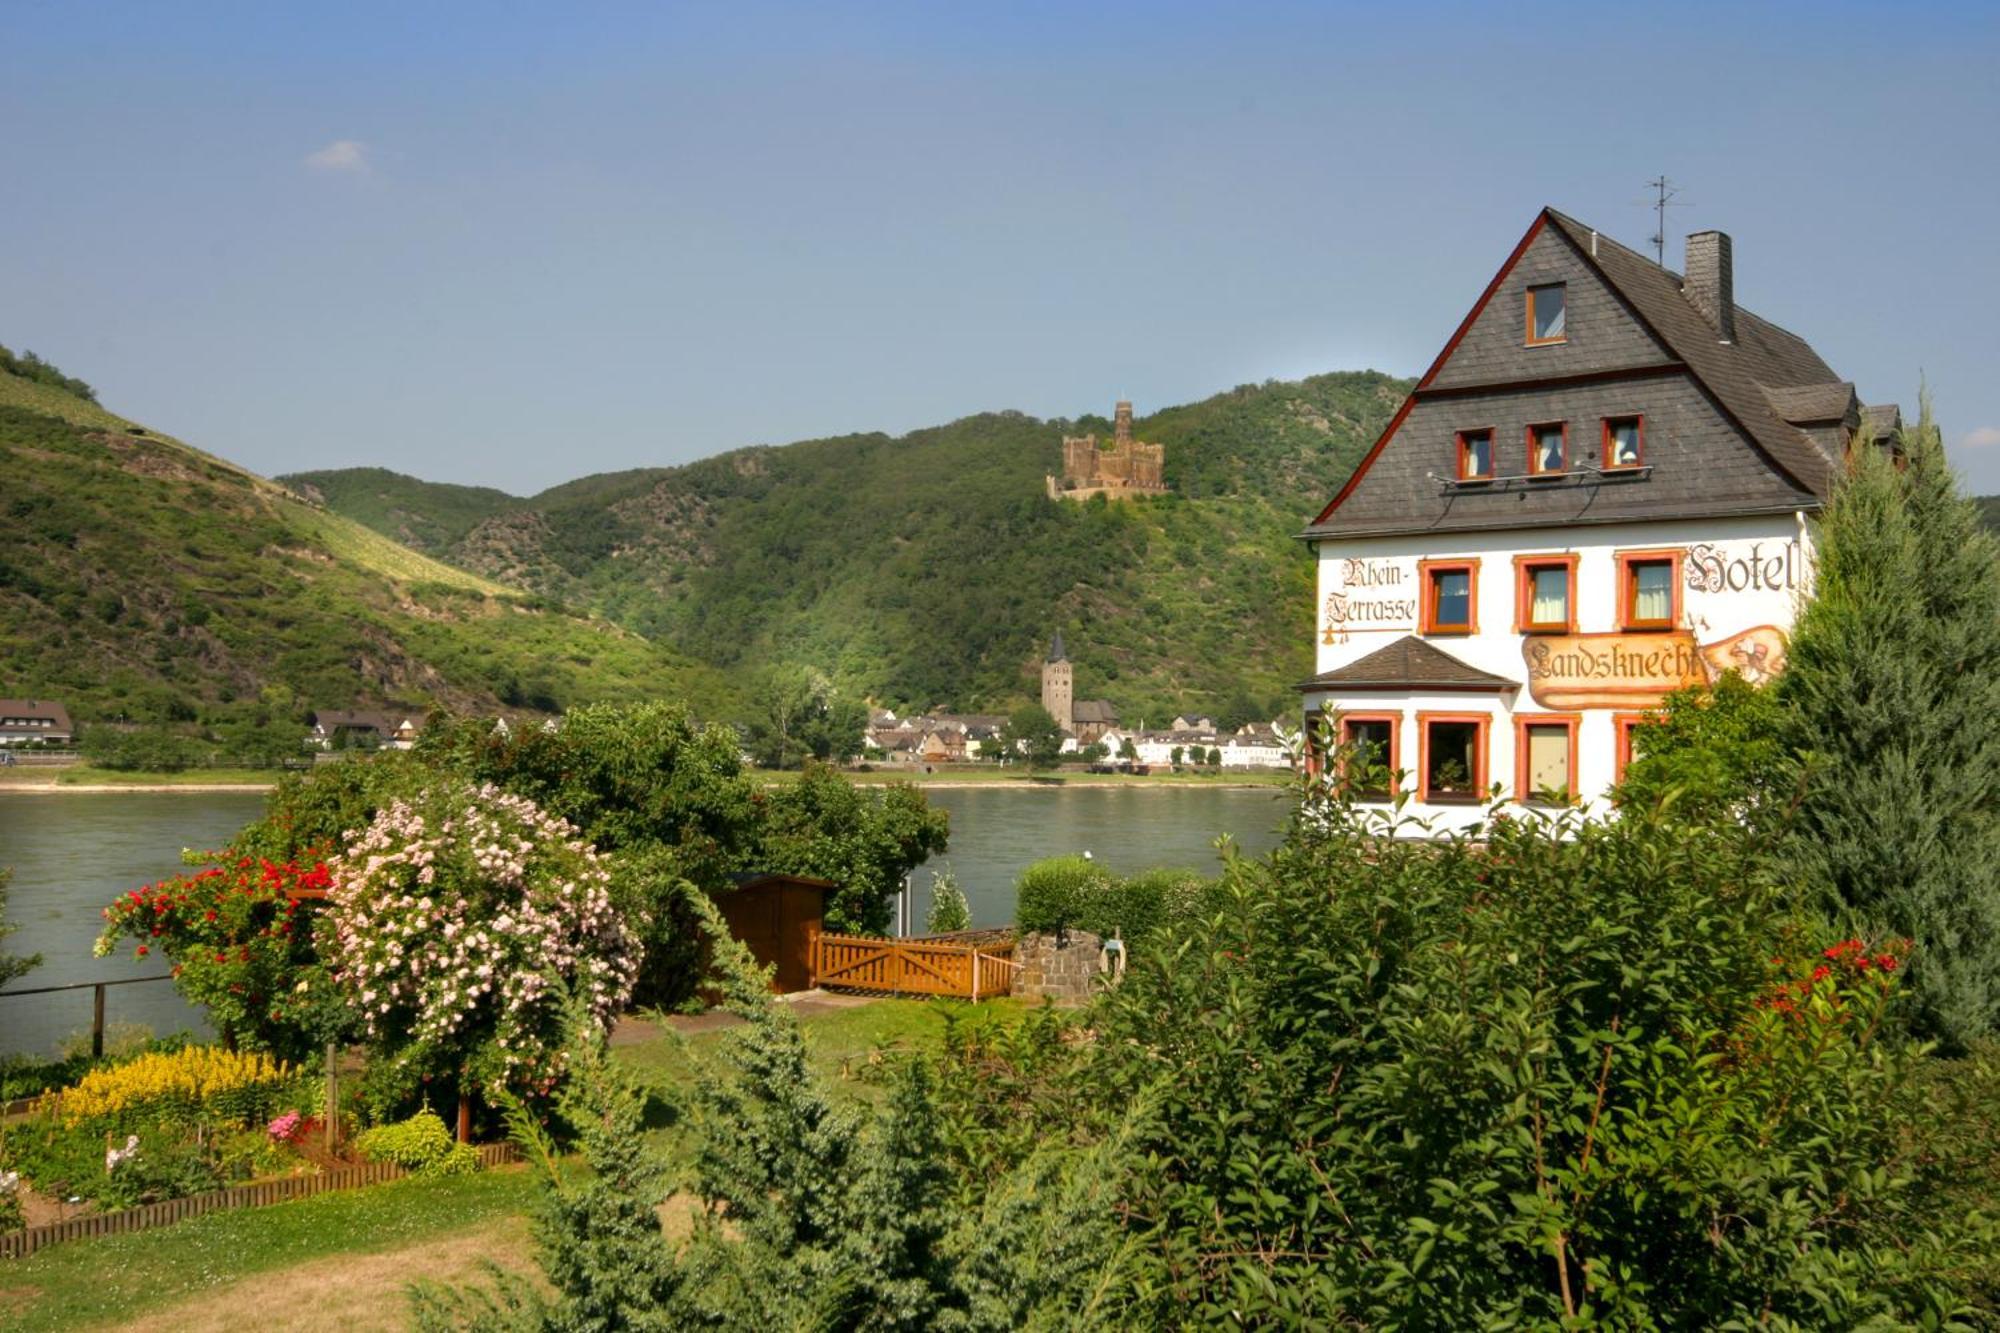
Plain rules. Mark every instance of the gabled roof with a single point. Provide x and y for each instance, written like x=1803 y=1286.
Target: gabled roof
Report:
x=1737 y=373
x=1409 y=663
x=333 y=719
x=37 y=710
x=1093 y=711
x=1767 y=381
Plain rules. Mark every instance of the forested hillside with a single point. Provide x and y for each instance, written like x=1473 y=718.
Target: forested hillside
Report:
x=144 y=580
x=929 y=569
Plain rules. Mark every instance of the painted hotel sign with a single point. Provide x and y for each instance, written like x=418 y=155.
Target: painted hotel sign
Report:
x=1639 y=670
x=1610 y=670
x=1369 y=595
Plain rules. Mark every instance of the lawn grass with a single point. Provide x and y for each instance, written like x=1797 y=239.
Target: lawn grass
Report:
x=81 y=1283
x=19 y=776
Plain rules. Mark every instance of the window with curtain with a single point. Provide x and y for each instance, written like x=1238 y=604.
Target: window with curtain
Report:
x=1547 y=313
x=1475 y=455
x=1547 y=759
x=1621 y=442
x=1548 y=597
x=1650 y=594
x=1546 y=448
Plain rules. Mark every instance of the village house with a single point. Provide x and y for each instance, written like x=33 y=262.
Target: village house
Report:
x=26 y=721
x=398 y=731
x=1602 y=490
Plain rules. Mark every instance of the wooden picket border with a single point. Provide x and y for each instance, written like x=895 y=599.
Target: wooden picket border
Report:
x=970 y=971
x=258 y=1194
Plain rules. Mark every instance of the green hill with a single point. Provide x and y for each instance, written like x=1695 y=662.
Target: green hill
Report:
x=145 y=580
x=929 y=569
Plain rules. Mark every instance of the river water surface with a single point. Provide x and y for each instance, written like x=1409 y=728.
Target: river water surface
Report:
x=72 y=853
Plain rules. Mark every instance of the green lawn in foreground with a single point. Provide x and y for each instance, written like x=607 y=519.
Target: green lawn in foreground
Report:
x=117 y=1277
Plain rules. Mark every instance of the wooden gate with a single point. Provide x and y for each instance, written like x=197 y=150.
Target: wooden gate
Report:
x=914 y=967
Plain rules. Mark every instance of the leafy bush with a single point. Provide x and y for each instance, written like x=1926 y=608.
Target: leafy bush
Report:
x=160 y=1167
x=1053 y=895
x=459 y=923
x=11 y=1218
x=241 y=940
x=31 y=367
x=421 y=1144
x=948 y=910
x=1569 y=1073
x=144 y=750
x=1070 y=893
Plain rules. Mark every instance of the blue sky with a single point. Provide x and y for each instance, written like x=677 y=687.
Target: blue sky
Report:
x=513 y=244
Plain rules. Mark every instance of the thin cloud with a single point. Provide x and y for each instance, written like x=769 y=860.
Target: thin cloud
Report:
x=1986 y=437
x=350 y=155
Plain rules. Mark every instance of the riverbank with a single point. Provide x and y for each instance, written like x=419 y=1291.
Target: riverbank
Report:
x=85 y=780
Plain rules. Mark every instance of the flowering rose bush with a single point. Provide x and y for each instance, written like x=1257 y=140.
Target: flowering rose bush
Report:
x=240 y=938
x=459 y=923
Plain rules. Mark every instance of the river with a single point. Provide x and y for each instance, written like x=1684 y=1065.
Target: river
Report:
x=73 y=853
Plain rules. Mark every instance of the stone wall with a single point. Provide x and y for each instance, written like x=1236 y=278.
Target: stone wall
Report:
x=1065 y=968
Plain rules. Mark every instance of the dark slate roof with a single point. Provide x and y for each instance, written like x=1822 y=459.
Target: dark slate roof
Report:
x=35 y=710
x=1806 y=403
x=1092 y=710
x=1056 y=652
x=1408 y=664
x=1881 y=423
x=333 y=719
x=1737 y=373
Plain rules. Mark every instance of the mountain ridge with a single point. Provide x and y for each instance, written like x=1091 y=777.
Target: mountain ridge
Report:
x=928 y=568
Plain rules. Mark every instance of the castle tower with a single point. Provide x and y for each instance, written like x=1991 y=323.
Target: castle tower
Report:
x=1121 y=424
x=1058 y=683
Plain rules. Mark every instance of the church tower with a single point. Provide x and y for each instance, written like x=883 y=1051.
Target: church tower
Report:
x=1058 y=683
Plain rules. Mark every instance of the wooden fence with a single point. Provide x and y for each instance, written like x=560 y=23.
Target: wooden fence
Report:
x=20 y=1244
x=971 y=971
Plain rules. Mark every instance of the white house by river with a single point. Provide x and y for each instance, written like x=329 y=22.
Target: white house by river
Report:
x=1602 y=490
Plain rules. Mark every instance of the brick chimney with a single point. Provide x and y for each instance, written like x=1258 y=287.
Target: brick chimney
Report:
x=1711 y=280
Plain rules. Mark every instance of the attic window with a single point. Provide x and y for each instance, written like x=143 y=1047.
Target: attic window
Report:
x=1475 y=455
x=1624 y=441
x=1547 y=306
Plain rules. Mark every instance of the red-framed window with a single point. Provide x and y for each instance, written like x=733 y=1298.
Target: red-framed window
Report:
x=1624 y=442
x=1475 y=454
x=1373 y=743
x=1450 y=590
x=1451 y=757
x=1545 y=594
x=1548 y=448
x=1548 y=314
x=1545 y=757
x=1649 y=589
x=1626 y=724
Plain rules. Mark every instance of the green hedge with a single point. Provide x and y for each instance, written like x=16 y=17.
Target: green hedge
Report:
x=1067 y=893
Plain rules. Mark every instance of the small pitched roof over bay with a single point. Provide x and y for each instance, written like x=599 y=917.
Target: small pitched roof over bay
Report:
x=1409 y=664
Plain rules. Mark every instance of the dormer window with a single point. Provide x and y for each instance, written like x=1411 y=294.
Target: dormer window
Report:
x=1475 y=455
x=1547 y=306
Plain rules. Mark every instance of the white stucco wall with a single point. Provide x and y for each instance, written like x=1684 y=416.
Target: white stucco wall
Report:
x=1737 y=575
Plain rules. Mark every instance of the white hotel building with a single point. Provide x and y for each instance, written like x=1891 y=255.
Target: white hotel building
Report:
x=1602 y=490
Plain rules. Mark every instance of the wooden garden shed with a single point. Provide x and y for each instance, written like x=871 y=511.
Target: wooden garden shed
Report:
x=777 y=917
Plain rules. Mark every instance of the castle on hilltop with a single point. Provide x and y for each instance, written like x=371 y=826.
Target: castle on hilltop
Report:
x=1124 y=467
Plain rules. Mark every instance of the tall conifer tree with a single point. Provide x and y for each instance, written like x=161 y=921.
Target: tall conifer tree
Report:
x=1894 y=694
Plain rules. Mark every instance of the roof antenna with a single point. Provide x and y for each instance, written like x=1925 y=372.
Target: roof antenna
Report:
x=1664 y=191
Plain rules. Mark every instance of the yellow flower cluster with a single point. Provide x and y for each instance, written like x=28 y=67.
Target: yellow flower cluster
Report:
x=196 y=1080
